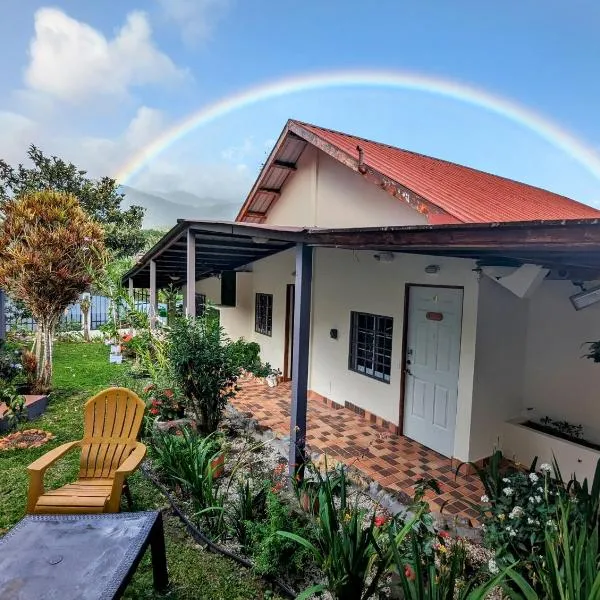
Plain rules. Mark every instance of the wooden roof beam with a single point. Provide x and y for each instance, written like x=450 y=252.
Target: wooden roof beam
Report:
x=282 y=164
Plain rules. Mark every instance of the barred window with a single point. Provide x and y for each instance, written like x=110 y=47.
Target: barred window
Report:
x=263 y=314
x=371 y=345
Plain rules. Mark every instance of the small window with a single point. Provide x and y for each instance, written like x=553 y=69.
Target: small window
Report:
x=371 y=345
x=200 y=304
x=263 y=314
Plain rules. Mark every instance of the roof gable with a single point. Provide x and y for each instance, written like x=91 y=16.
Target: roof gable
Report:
x=446 y=192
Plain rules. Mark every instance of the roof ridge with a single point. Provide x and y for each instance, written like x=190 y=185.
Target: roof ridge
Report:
x=442 y=160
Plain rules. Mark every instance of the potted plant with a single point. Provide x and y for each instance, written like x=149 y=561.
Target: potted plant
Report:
x=272 y=379
x=164 y=404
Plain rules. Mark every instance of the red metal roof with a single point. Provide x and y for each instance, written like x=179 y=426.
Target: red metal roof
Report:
x=465 y=194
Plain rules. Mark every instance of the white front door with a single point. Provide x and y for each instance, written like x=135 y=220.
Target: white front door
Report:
x=432 y=361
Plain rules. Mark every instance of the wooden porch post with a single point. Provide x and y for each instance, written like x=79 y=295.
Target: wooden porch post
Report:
x=130 y=282
x=2 y=316
x=153 y=306
x=301 y=340
x=190 y=288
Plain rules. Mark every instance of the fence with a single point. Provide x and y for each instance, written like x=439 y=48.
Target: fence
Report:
x=18 y=319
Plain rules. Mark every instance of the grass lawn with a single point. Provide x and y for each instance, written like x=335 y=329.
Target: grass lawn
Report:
x=80 y=370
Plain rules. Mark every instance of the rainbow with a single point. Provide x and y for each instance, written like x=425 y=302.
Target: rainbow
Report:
x=543 y=127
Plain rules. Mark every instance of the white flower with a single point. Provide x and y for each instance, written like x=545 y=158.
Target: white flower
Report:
x=508 y=491
x=483 y=527
x=550 y=523
x=545 y=468
x=538 y=499
x=511 y=532
x=531 y=499
x=506 y=480
x=533 y=477
x=540 y=490
x=516 y=512
x=530 y=521
x=484 y=498
x=493 y=567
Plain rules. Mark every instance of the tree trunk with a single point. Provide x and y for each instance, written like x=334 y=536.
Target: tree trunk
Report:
x=47 y=326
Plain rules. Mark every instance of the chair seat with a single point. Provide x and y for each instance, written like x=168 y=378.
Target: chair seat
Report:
x=83 y=496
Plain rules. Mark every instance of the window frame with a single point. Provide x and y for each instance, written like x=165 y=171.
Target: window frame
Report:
x=377 y=342
x=263 y=303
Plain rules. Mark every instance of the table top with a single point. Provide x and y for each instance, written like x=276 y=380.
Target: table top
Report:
x=71 y=557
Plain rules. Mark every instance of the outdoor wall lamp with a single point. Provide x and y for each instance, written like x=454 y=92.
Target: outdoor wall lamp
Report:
x=384 y=257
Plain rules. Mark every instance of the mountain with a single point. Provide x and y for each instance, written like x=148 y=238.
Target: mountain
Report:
x=163 y=210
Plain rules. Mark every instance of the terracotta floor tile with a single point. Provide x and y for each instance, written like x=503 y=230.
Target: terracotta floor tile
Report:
x=394 y=461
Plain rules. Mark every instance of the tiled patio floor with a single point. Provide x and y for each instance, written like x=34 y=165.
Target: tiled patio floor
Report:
x=396 y=462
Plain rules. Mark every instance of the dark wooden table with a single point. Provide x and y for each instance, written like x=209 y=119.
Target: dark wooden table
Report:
x=69 y=557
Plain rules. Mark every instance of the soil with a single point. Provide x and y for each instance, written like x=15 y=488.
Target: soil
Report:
x=563 y=436
x=28 y=438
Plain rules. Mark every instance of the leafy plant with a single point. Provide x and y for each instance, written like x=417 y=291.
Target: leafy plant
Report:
x=163 y=403
x=49 y=251
x=438 y=576
x=569 y=568
x=249 y=506
x=271 y=553
x=516 y=505
x=205 y=367
x=15 y=405
x=188 y=460
x=11 y=367
x=564 y=428
x=347 y=546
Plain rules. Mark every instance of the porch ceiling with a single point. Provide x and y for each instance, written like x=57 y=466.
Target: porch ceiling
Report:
x=219 y=247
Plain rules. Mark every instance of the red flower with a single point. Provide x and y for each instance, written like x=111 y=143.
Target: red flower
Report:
x=444 y=534
x=154 y=411
x=380 y=521
x=155 y=402
x=409 y=573
x=149 y=387
x=168 y=393
x=127 y=338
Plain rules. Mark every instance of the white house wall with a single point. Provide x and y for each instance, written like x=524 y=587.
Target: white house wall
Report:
x=325 y=193
x=559 y=382
x=269 y=276
x=499 y=365
x=346 y=281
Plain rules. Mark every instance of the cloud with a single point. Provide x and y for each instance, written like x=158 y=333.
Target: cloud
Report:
x=73 y=61
x=196 y=18
x=239 y=153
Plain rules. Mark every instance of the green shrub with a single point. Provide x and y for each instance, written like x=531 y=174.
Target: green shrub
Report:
x=186 y=460
x=205 y=368
x=249 y=506
x=271 y=553
x=347 y=545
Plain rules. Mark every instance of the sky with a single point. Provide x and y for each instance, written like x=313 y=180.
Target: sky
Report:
x=99 y=82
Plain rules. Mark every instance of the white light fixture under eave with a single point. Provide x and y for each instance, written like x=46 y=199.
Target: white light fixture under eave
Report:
x=260 y=240
x=585 y=298
x=174 y=277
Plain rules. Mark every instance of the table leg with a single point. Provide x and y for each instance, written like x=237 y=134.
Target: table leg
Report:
x=159 y=555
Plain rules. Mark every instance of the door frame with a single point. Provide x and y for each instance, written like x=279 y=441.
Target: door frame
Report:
x=288 y=349
x=407 y=287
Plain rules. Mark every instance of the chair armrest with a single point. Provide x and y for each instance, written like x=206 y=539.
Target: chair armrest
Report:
x=37 y=469
x=41 y=464
x=130 y=464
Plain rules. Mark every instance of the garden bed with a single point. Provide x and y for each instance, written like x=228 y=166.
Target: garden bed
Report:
x=35 y=406
x=563 y=436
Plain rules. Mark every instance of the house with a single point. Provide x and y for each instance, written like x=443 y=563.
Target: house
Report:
x=430 y=297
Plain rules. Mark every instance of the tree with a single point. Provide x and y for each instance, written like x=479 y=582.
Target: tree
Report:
x=100 y=199
x=50 y=251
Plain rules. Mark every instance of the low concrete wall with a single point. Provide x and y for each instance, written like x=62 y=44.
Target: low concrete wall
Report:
x=523 y=444
x=34 y=404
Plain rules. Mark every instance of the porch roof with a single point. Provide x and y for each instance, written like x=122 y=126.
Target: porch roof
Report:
x=571 y=245
x=220 y=246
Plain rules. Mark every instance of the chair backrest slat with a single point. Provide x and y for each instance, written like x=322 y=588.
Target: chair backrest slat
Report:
x=112 y=422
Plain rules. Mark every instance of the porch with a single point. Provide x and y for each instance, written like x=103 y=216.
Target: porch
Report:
x=394 y=461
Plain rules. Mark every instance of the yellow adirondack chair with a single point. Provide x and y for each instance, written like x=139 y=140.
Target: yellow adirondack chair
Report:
x=110 y=452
